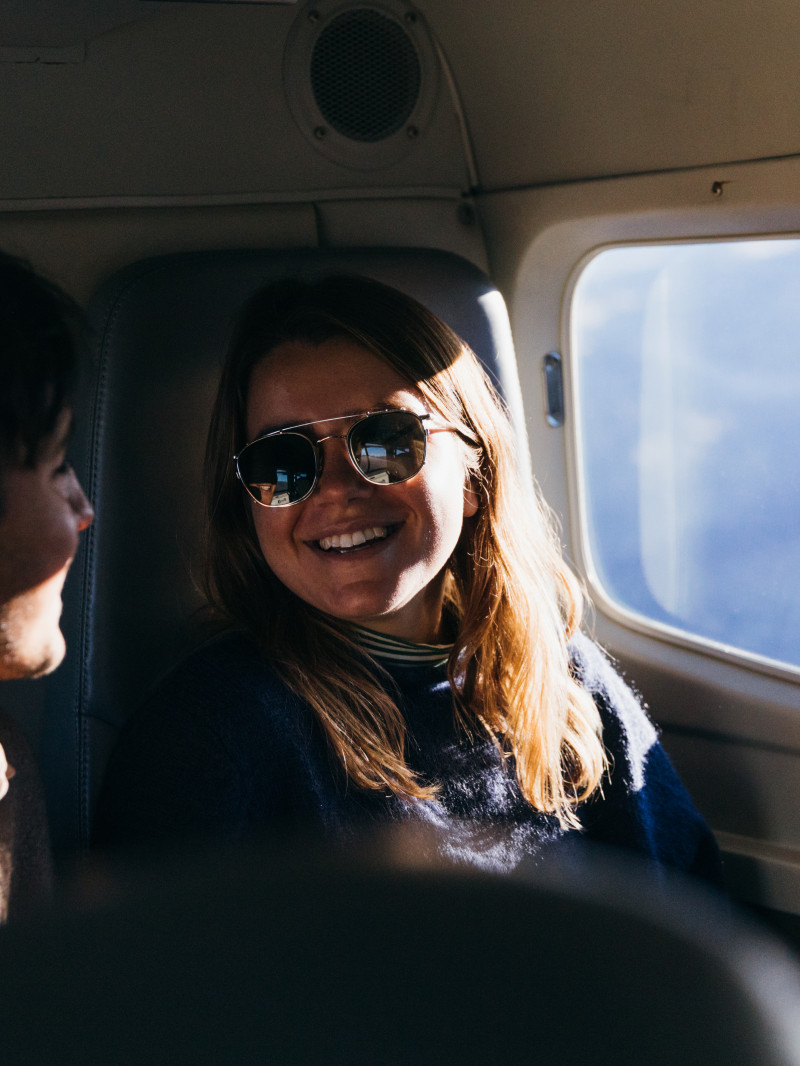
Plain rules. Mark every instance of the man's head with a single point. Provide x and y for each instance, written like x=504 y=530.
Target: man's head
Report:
x=42 y=506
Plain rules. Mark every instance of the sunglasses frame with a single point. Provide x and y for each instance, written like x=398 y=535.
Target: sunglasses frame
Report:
x=319 y=457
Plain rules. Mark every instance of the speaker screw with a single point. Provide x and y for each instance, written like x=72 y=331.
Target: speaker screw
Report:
x=410 y=17
x=313 y=17
x=320 y=133
x=412 y=133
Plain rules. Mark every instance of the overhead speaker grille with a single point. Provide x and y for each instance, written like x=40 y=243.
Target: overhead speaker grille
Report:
x=365 y=75
x=361 y=79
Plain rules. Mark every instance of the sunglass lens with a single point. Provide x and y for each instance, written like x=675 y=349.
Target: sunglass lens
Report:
x=388 y=447
x=278 y=470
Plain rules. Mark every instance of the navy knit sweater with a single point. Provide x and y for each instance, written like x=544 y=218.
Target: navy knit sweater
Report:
x=222 y=748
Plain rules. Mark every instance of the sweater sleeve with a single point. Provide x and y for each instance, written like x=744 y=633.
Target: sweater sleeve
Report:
x=644 y=806
x=185 y=765
x=170 y=775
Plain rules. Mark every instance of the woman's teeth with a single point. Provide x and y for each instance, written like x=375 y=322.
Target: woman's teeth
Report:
x=343 y=541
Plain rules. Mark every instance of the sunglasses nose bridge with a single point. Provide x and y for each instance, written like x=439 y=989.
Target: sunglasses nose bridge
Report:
x=331 y=436
x=351 y=463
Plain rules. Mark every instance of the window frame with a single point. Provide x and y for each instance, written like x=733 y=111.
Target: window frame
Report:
x=582 y=548
x=730 y=722
x=538 y=240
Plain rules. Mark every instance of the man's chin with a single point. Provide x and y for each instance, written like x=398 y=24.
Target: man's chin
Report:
x=53 y=657
x=32 y=662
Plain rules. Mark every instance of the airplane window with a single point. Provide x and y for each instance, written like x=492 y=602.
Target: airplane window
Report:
x=687 y=373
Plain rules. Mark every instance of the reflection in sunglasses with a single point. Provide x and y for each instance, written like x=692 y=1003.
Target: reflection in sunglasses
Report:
x=263 y=491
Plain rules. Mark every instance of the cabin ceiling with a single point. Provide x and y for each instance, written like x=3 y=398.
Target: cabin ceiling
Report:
x=134 y=98
x=591 y=88
x=58 y=24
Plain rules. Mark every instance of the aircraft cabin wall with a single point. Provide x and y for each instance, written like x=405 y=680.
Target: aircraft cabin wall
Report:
x=108 y=107
x=538 y=134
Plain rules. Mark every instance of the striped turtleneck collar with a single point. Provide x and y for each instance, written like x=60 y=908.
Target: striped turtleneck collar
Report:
x=399 y=652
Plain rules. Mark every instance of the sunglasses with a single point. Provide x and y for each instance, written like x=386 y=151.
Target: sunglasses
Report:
x=283 y=467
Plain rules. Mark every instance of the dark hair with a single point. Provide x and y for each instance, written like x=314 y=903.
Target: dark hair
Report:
x=38 y=329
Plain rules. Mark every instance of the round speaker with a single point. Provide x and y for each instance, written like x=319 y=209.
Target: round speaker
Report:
x=361 y=79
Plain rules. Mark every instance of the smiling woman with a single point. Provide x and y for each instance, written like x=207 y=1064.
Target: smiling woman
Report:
x=374 y=557
x=403 y=636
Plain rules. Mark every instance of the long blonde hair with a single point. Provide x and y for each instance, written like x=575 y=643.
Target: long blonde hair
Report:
x=514 y=598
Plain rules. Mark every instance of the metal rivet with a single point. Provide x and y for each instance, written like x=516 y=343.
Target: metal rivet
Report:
x=320 y=132
x=410 y=17
x=313 y=17
x=412 y=132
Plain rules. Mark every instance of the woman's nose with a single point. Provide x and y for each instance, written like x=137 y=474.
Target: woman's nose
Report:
x=338 y=474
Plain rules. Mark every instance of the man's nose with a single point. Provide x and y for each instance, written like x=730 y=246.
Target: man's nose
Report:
x=81 y=506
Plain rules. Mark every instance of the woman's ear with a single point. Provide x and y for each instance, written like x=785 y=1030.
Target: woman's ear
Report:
x=471 y=497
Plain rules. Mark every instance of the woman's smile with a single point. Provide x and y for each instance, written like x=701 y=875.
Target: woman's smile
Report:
x=368 y=537
x=360 y=551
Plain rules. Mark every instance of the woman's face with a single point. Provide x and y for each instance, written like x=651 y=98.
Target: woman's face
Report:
x=392 y=582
